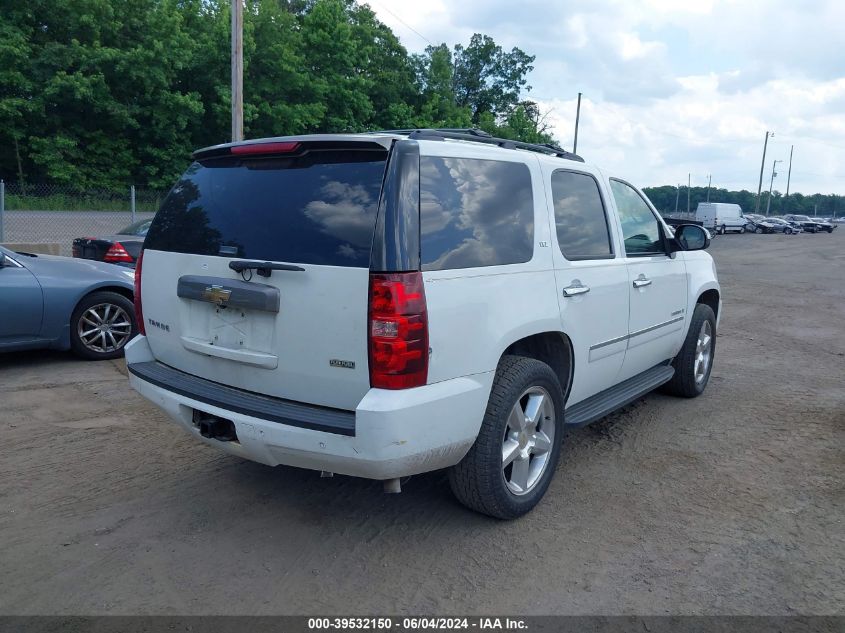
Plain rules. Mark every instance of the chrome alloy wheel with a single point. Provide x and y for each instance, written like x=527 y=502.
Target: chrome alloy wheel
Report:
x=104 y=328
x=703 y=352
x=528 y=440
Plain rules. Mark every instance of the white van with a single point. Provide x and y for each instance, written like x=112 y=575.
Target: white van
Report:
x=721 y=216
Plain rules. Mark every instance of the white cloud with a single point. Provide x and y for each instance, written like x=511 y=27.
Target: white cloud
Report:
x=672 y=87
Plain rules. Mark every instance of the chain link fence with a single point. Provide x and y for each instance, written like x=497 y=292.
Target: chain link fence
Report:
x=54 y=215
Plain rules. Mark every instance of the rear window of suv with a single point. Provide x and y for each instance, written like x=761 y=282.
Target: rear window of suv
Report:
x=318 y=208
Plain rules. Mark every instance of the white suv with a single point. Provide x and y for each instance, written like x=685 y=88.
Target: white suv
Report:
x=386 y=304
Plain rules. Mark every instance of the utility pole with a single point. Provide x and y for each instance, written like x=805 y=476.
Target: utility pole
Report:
x=709 y=179
x=689 y=180
x=771 y=182
x=788 y=178
x=677 y=196
x=577 y=119
x=237 y=70
x=762 y=166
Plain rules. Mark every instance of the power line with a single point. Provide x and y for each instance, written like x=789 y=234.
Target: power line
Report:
x=403 y=22
x=810 y=139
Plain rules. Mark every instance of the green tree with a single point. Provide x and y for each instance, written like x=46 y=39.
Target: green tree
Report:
x=434 y=72
x=15 y=85
x=385 y=65
x=334 y=60
x=102 y=105
x=104 y=93
x=487 y=79
x=526 y=123
x=279 y=99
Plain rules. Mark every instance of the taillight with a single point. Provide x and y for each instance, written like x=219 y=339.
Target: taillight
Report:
x=117 y=253
x=139 y=312
x=398 y=331
x=284 y=147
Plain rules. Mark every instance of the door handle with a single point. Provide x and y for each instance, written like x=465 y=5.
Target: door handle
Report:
x=575 y=289
x=642 y=281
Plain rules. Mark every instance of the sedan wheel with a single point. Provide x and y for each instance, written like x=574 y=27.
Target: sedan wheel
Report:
x=101 y=326
x=104 y=328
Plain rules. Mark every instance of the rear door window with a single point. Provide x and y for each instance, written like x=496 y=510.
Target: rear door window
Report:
x=317 y=208
x=580 y=220
x=474 y=213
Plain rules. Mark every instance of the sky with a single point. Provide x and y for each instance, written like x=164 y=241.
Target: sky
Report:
x=671 y=87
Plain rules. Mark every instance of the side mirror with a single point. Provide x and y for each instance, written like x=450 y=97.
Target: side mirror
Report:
x=691 y=237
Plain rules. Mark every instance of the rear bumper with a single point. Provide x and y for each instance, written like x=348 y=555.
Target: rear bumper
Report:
x=395 y=433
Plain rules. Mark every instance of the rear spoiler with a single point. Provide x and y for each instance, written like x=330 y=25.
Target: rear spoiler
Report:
x=297 y=145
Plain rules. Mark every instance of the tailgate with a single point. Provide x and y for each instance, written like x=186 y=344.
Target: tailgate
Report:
x=295 y=335
x=298 y=333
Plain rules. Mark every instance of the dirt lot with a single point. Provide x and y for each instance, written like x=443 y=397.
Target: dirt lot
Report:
x=732 y=503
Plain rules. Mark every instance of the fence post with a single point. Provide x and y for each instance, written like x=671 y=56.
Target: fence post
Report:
x=132 y=202
x=2 y=207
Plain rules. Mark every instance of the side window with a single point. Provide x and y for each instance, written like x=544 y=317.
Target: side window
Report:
x=581 y=223
x=640 y=229
x=474 y=213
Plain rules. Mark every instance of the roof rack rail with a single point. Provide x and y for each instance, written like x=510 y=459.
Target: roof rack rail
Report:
x=480 y=136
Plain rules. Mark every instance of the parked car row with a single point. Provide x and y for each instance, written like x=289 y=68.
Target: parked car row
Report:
x=789 y=224
x=723 y=217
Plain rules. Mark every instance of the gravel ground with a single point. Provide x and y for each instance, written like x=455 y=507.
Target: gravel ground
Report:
x=732 y=503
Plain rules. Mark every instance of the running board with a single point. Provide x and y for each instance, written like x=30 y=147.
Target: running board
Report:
x=609 y=400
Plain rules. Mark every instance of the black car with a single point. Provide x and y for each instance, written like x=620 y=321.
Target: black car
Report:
x=824 y=225
x=122 y=248
x=806 y=223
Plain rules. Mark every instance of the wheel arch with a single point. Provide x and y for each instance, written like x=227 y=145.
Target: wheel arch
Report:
x=554 y=349
x=121 y=290
x=105 y=287
x=710 y=298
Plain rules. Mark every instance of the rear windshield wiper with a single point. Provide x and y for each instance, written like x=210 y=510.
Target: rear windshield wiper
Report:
x=264 y=269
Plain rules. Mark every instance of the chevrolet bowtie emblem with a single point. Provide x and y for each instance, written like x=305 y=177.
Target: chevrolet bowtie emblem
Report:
x=217 y=295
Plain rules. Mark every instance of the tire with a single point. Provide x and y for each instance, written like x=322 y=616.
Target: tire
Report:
x=94 y=311
x=723 y=229
x=788 y=231
x=759 y=229
x=481 y=481
x=742 y=229
x=689 y=381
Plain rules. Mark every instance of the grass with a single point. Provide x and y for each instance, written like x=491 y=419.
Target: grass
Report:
x=80 y=202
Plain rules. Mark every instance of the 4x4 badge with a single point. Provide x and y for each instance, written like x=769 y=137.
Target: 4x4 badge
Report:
x=217 y=295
